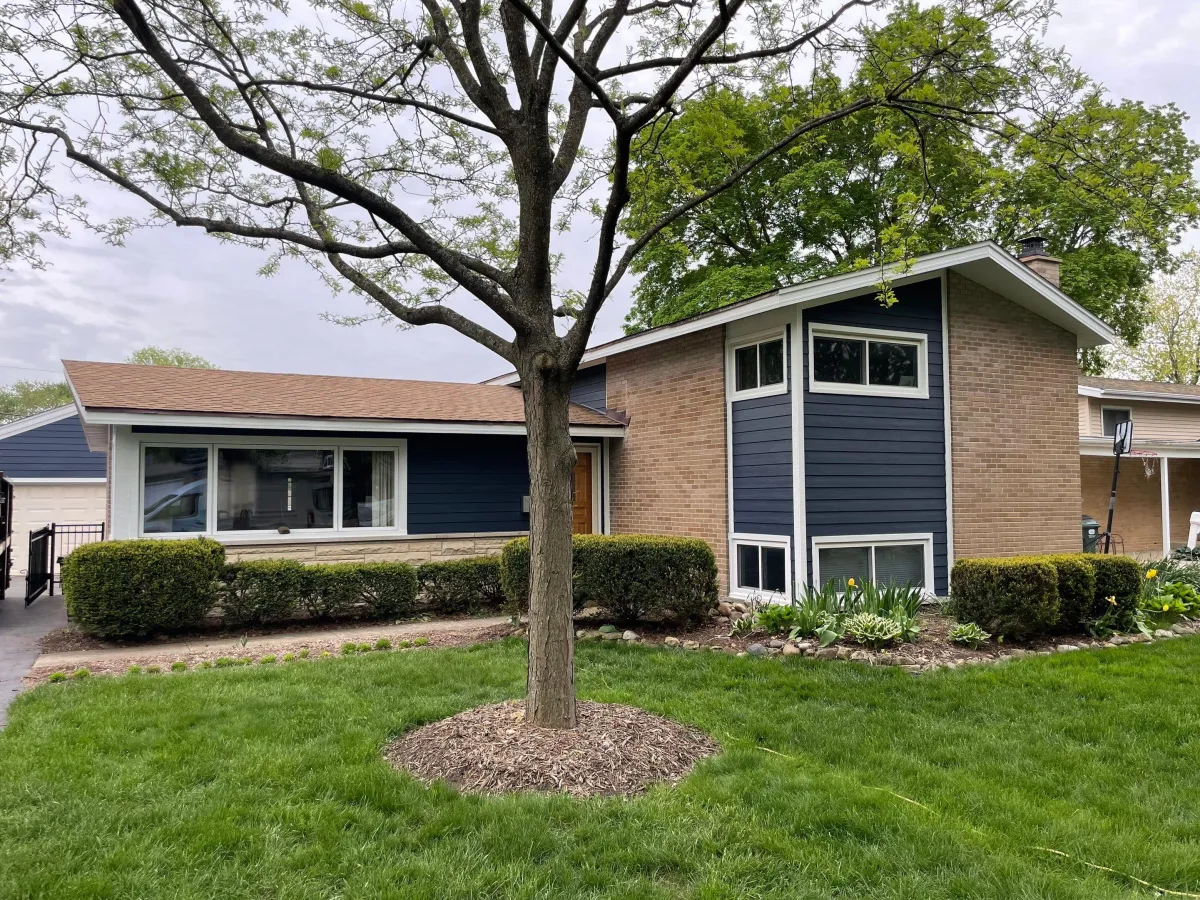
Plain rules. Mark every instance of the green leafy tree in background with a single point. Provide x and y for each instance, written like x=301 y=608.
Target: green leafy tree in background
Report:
x=1109 y=184
x=427 y=151
x=1170 y=346
x=25 y=398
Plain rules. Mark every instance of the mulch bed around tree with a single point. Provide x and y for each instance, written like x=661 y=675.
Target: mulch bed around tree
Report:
x=615 y=750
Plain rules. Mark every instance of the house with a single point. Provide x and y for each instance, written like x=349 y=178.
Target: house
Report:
x=56 y=477
x=1159 y=486
x=806 y=434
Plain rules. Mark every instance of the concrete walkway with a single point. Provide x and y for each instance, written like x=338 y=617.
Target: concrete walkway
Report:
x=20 y=629
x=256 y=645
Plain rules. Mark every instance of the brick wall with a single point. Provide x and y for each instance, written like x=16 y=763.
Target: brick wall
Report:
x=1014 y=427
x=1137 y=518
x=669 y=474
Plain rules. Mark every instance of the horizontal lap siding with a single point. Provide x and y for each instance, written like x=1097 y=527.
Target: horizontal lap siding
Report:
x=589 y=388
x=470 y=483
x=56 y=450
x=762 y=463
x=877 y=465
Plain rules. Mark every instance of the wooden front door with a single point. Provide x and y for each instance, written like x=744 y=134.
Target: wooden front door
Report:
x=581 y=510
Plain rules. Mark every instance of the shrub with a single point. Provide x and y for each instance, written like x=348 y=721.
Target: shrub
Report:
x=80 y=674
x=421 y=642
x=364 y=647
x=872 y=630
x=206 y=664
x=349 y=648
x=304 y=653
x=380 y=590
x=289 y=657
x=57 y=677
x=224 y=662
x=1076 y=589
x=968 y=633
x=1014 y=596
x=383 y=644
x=1119 y=577
x=153 y=670
x=116 y=588
x=135 y=669
x=179 y=666
x=261 y=590
x=628 y=575
x=268 y=660
x=461 y=585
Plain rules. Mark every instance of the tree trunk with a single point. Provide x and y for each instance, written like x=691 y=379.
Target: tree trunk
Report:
x=550 y=698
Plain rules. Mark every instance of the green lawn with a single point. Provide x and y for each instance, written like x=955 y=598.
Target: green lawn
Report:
x=263 y=783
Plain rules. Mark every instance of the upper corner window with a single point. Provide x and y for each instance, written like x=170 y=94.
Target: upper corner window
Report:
x=856 y=361
x=759 y=365
x=1111 y=417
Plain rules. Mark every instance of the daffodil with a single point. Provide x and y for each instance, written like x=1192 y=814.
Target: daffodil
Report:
x=850 y=582
x=1153 y=573
x=1166 y=607
x=1112 y=601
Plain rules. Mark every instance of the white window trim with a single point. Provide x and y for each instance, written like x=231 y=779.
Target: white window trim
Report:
x=1128 y=409
x=761 y=540
x=921 y=391
x=749 y=340
x=212 y=443
x=823 y=542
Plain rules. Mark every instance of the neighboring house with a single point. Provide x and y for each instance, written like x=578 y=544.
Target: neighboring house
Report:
x=55 y=476
x=1159 y=488
x=806 y=434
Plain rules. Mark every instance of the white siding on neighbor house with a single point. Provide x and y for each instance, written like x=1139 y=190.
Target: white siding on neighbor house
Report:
x=64 y=503
x=1157 y=421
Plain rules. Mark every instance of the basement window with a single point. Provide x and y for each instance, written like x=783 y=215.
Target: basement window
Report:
x=761 y=565
x=884 y=559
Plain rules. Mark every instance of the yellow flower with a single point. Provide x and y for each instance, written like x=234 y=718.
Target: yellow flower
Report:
x=1112 y=601
x=1166 y=607
x=849 y=582
x=1153 y=573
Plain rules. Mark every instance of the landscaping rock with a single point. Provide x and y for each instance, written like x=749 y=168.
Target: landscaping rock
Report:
x=691 y=645
x=860 y=656
x=827 y=653
x=723 y=620
x=1180 y=628
x=843 y=652
x=724 y=608
x=671 y=641
x=805 y=645
x=630 y=636
x=791 y=650
x=739 y=607
x=1019 y=654
x=1163 y=633
x=607 y=629
x=610 y=635
x=775 y=644
x=1065 y=648
x=1118 y=640
x=735 y=616
x=756 y=650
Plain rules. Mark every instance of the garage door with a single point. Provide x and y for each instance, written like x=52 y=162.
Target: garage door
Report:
x=67 y=503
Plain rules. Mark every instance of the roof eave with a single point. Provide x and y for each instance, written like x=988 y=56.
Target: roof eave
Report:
x=1142 y=396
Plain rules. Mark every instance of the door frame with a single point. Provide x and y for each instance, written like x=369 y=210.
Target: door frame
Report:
x=598 y=497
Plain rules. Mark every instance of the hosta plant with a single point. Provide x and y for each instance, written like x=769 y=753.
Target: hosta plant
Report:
x=871 y=630
x=970 y=634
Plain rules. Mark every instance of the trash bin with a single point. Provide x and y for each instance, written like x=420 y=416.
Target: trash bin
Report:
x=1091 y=534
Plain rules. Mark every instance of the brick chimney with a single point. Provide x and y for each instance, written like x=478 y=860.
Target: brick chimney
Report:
x=1033 y=254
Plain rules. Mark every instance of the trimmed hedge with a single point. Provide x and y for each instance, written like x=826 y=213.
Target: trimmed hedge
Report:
x=628 y=575
x=461 y=585
x=263 y=590
x=381 y=590
x=1016 y=596
x=135 y=588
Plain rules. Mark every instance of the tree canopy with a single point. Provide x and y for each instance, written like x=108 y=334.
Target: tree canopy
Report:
x=1170 y=346
x=1109 y=184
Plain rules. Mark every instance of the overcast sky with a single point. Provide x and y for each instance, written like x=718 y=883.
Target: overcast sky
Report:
x=181 y=288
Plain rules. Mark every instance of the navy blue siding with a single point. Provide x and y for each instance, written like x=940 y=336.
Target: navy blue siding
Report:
x=762 y=463
x=877 y=465
x=57 y=450
x=465 y=483
x=590 y=387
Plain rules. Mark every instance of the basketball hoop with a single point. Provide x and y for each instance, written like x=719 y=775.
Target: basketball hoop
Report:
x=1148 y=467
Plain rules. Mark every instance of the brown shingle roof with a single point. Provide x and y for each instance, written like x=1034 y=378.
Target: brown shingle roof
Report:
x=132 y=388
x=1151 y=387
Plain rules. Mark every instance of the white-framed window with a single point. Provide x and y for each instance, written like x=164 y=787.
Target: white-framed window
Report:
x=851 y=360
x=881 y=558
x=761 y=564
x=251 y=487
x=1112 y=416
x=756 y=366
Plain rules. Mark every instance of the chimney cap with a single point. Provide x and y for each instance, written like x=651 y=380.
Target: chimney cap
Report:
x=1032 y=245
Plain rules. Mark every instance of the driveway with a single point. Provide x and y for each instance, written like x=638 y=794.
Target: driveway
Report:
x=20 y=629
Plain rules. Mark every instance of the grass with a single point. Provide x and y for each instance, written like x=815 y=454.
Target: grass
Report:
x=267 y=782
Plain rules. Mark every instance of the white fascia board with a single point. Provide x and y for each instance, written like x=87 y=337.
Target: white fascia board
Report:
x=1142 y=396
x=58 y=480
x=37 y=420
x=1103 y=446
x=394 y=426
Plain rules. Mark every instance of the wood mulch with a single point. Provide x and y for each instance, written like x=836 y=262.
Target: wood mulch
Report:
x=615 y=751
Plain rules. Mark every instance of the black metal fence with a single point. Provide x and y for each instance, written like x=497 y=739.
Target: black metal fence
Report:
x=47 y=548
x=6 y=513
x=39 y=571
